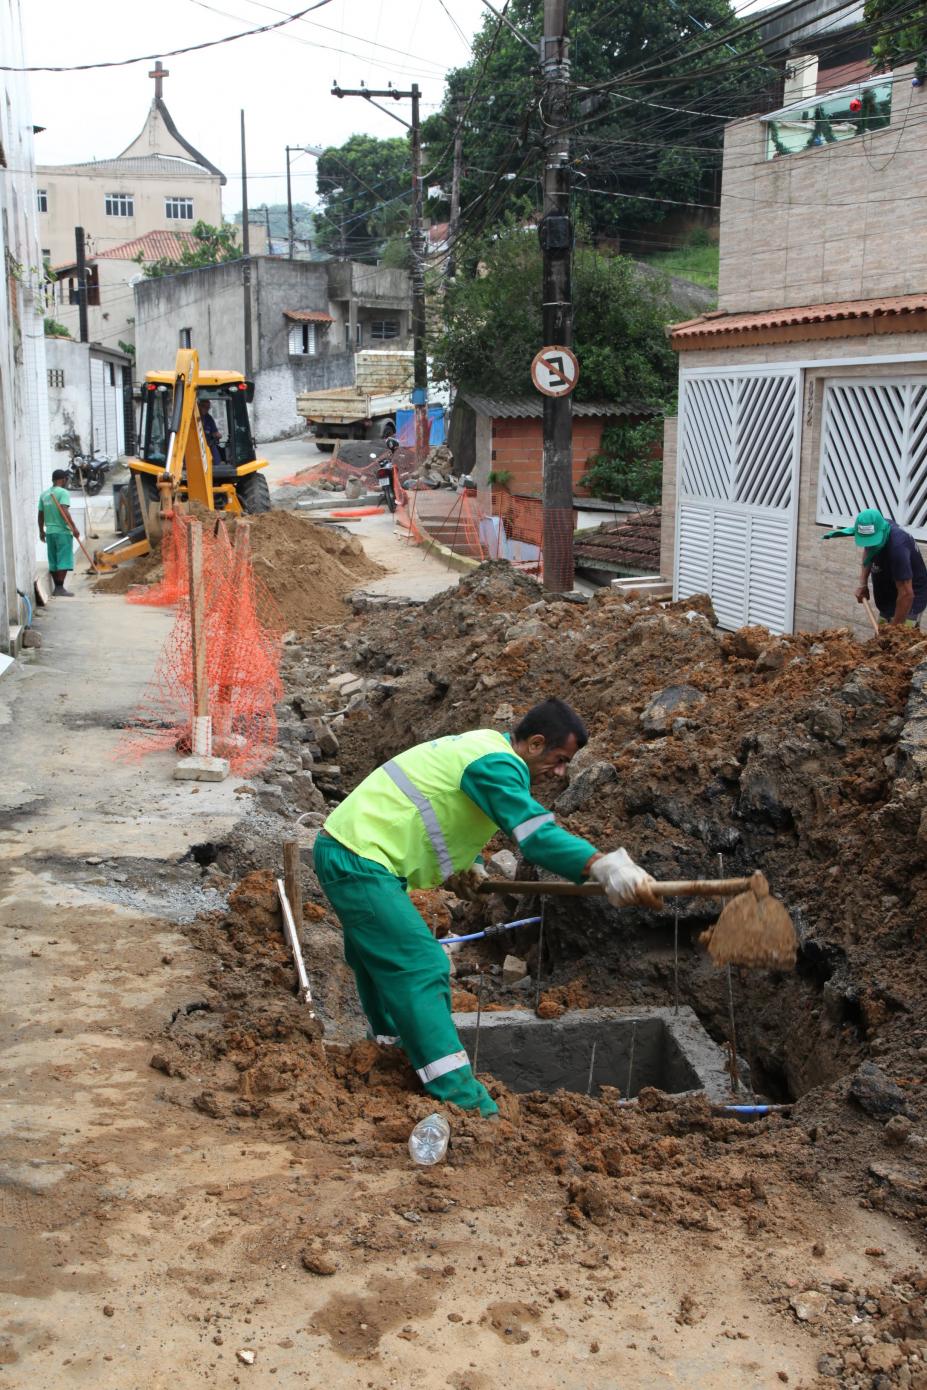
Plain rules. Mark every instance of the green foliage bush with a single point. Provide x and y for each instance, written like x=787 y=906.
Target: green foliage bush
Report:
x=492 y=325
x=629 y=466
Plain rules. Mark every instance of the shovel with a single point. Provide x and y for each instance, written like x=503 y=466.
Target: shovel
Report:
x=754 y=928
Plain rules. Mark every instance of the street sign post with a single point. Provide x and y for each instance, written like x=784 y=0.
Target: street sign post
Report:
x=555 y=371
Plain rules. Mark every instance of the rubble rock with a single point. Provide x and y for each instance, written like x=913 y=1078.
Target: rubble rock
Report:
x=857 y=690
x=897 y=1131
x=502 y=864
x=658 y=714
x=809 y=1306
x=874 y=1092
x=513 y=970
x=771 y=658
x=826 y=722
x=318 y=1262
x=584 y=786
x=884 y=1356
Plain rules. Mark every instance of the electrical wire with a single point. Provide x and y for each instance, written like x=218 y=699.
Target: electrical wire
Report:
x=171 y=52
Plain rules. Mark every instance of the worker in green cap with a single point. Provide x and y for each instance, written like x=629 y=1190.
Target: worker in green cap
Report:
x=422 y=819
x=894 y=564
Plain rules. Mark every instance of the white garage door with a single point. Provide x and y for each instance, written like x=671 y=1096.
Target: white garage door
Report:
x=106 y=401
x=737 y=494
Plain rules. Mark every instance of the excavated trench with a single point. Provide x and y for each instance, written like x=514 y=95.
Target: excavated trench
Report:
x=792 y=1031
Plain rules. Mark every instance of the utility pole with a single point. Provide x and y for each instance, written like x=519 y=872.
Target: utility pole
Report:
x=416 y=243
x=450 y=268
x=289 y=204
x=80 y=257
x=246 y=254
x=556 y=236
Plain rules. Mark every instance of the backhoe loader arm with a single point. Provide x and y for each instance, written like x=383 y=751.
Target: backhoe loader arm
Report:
x=186 y=441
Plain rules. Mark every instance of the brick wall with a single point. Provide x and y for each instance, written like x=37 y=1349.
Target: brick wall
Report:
x=834 y=223
x=517 y=448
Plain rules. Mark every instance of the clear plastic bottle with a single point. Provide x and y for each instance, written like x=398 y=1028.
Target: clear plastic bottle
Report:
x=428 y=1140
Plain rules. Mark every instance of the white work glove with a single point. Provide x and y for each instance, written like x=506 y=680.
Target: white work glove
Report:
x=465 y=883
x=624 y=881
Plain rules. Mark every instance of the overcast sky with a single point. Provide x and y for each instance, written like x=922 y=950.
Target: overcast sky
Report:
x=281 y=79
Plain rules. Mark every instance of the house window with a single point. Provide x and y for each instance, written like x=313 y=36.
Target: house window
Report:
x=41 y=199
x=46 y=255
x=830 y=120
x=303 y=340
x=381 y=329
x=120 y=204
x=56 y=376
x=874 y=451
x=186 y=337
x=179 y=209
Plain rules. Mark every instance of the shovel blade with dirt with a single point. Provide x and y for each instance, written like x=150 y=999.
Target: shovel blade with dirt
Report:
x=754 y=929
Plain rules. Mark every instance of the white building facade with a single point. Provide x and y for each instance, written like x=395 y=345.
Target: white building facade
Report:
x=25 y=452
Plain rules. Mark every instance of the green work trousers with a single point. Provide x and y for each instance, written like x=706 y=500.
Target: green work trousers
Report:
x=402 y=973
x=60 y=547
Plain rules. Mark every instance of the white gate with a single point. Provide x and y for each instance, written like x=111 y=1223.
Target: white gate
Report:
x=107 y=408
x=874 y=451
x=737 y=493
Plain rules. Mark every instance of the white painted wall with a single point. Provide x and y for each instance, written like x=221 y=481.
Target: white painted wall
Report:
x=25 y=453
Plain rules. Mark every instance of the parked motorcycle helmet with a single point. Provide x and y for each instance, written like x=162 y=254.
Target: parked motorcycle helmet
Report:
x=392 y=443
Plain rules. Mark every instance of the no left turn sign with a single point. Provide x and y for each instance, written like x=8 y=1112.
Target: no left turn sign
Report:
x=555 y=371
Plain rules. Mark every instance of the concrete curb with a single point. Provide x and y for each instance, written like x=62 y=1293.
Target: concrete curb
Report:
x=462 y=563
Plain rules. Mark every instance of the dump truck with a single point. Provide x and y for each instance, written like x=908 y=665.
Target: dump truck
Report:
x=175 y=462
x=366 y=410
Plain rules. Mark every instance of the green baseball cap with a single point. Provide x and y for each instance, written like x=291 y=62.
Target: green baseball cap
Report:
x=870 y=529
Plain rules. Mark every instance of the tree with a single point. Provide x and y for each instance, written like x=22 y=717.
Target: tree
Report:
x=366 y=187
x=211 y=246
x=644 y=141
x=492 y=325
x=900 y=35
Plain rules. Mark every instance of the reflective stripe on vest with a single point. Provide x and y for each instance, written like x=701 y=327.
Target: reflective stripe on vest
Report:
x=528 y=827
x=429 y=817
x=432 y=1070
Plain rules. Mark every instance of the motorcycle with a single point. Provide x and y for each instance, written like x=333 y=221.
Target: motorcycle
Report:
x=87 y=472
x=387 y=480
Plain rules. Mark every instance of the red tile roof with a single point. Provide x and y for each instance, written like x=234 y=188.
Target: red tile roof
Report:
x=153 y=246
x=308 y=316
x=807 y=321
x=631 y=544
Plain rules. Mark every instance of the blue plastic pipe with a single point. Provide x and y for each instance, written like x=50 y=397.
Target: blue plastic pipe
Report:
x=490 y=931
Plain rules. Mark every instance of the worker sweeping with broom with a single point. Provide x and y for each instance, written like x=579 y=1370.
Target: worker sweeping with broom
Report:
x=421 y=820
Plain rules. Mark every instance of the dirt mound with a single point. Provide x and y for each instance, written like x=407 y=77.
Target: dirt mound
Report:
x=307 y=568
x=146 y=569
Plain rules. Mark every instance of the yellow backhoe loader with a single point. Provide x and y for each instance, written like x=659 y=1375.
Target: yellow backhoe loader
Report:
x=176 y=463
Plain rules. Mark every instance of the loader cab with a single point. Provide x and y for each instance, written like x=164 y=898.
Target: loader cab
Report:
x=228 y=407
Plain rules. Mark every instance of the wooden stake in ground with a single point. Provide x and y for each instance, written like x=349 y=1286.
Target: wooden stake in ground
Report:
x=201 y=766
x=292 y=880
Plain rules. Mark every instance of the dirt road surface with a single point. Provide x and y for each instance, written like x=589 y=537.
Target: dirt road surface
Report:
x=149 y=1243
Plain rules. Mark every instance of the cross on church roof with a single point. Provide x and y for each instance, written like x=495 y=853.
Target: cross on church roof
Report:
x=159 y=73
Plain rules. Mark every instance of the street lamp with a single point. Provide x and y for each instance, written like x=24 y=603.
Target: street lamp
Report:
x=295 y=149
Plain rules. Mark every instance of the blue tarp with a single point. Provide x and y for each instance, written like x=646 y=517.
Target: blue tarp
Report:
x=405 y=425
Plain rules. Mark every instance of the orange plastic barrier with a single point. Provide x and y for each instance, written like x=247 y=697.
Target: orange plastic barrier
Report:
x=348 y=512
x=243 y=645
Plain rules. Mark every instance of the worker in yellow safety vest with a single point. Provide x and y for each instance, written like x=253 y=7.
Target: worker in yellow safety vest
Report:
x=422 y=819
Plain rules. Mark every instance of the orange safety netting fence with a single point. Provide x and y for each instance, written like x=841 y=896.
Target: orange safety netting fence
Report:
x=172 y=586
x=335 y=469
x=242 y=634
x=508 y=528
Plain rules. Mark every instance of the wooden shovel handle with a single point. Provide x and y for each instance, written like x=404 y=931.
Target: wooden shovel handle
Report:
x=674 y=888
x=871 y=616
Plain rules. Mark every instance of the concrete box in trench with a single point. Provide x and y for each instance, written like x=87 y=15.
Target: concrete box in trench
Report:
x=634 y=1048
